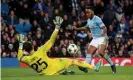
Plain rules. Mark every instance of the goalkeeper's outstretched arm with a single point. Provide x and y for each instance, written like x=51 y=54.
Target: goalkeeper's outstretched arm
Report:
x=20 y=53
x=46 y=47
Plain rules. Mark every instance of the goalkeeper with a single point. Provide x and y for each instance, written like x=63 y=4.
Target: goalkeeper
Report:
x=41 y=63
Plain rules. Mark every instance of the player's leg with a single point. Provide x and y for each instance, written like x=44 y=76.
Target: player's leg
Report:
x=101 y=51
x=91 y=49
x=86 y=65
x=66 y=63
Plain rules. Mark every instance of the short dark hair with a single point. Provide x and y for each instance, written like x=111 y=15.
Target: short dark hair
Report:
x=27 y=46
x=90 y=7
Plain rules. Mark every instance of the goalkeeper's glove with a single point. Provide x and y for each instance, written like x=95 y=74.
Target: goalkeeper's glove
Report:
x=21 y=41
x=58 y=21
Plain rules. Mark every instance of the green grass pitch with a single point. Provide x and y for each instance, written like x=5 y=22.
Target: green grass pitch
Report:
x=123 y=73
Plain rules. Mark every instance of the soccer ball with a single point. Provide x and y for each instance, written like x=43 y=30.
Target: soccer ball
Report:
x=72 y=49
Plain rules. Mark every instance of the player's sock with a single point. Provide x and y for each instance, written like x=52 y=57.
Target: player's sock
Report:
x=88 y=58
x=113 y=67
x=82 y=64
x=105 y=56
x=98 y=65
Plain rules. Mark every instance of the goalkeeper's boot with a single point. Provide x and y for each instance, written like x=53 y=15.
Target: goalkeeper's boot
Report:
x=71 y=72
x=98 y=65
x=67 y=73
x=113 y=67
x=83 y=69
x=64 y=73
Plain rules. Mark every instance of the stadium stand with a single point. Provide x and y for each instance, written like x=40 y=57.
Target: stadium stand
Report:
x=36 y=16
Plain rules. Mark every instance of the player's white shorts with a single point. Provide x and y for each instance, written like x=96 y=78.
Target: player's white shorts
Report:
x=98 y=41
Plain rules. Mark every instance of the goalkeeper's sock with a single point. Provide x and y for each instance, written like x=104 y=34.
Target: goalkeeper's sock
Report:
x=106 y=57
x=82 y=64
x=88 y=58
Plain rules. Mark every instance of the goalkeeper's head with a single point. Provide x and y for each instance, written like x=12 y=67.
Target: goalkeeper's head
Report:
x=28 y=47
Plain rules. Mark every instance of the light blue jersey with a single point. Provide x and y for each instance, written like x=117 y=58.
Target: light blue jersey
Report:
x=95 y=26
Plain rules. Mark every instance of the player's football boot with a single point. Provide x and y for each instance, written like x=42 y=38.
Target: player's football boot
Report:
x=113 y=67
x=98 y=65
x=83 y=69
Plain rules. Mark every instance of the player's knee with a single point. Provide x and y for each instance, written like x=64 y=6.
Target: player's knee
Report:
x=91 y=51
x=101 y=52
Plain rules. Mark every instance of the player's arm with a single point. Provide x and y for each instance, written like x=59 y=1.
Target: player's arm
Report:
x=20 y=54
x=102 y=26
x=104 y=30
x=46 y=47
x=85 y=28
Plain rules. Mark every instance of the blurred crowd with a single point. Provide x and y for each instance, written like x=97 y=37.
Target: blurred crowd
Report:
x=35 y=17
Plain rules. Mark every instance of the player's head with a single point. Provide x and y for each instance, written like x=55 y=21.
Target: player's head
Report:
x=27 y=46
x=89 y=11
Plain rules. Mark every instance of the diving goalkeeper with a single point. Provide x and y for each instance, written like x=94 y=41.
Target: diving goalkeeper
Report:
x=41 y=63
